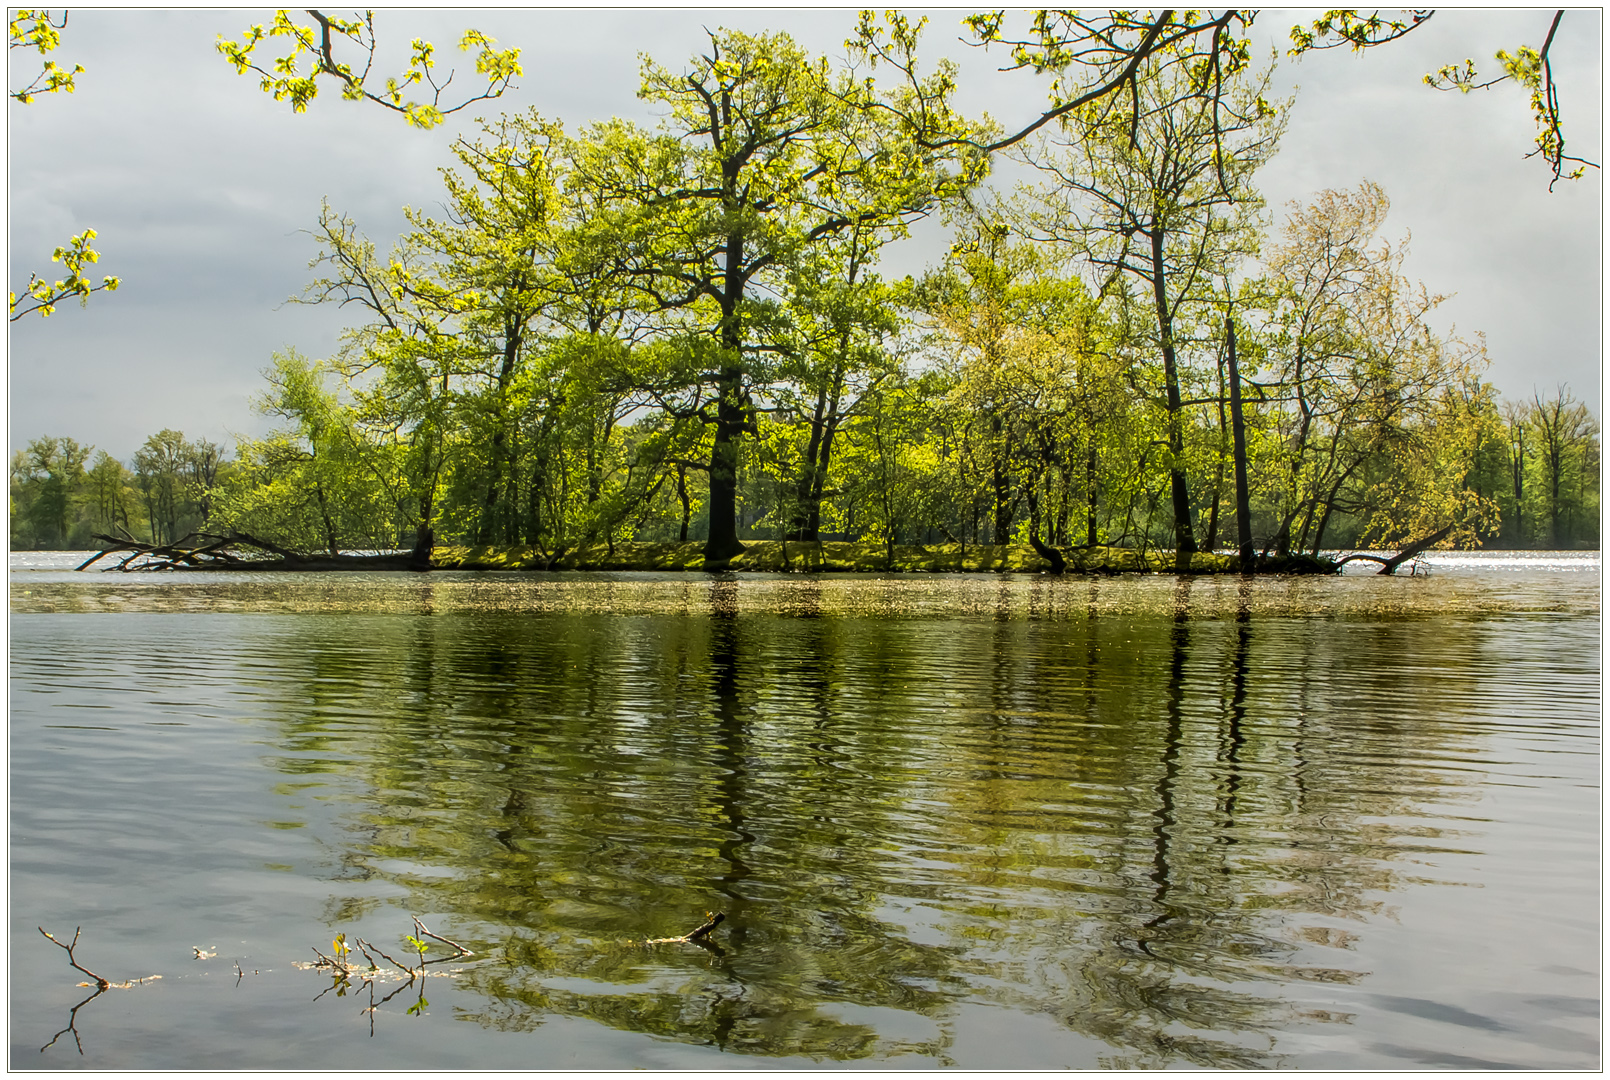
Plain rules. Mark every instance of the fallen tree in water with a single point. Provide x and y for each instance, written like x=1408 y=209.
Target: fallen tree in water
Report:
x=237 y=551
x=1390 y=563
x=242 y=552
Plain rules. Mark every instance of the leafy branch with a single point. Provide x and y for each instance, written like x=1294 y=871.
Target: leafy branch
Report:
x=1096 y=57
x=1347 y=27
x=285 y=81
x=1528 y=66
x=43 y=295
x=1531 y=68
x=35 y=29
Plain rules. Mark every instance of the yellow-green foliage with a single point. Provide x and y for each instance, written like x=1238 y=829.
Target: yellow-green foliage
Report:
x=830 y=556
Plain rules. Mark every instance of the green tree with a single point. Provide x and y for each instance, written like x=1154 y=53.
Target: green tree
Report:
x=110 y=493
x=1019 y=339
x=492 y=267
x=1164 y=195
x=1517 y=437
x=764 y=152
x=47 y=492
x=316 y=483
x=175 y=478
x=1378 y=416
x=844 y=318
x=1566 y=444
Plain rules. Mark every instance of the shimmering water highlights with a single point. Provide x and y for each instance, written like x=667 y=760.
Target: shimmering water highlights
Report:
x=991 y=823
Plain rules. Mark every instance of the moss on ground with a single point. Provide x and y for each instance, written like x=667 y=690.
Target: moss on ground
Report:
x=837 y=556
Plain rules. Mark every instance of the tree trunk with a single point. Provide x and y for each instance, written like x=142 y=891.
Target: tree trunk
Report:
x=1238 y=434
x=500 y=458
x=1045 y=551
x=1090 y=495
x=1003 y=508
x=682 y=494
x=1179 y=486
x=424 y=544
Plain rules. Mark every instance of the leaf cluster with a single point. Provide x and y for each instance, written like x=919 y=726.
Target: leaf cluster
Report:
x=294 y=75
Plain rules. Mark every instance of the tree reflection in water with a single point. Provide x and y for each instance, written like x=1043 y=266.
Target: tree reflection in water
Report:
x=1143 y=826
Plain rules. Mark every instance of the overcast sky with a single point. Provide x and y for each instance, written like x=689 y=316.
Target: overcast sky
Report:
x=200 y=188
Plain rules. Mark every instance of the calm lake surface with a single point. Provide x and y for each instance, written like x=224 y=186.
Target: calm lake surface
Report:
x=973 y=821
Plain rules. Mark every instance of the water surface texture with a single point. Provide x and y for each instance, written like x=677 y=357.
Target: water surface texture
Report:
x=1344 y=823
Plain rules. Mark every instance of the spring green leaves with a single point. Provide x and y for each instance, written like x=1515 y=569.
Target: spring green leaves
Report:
x=36 y=29
x=1531 y=69
x=1347 y=27
x=43 y=295
x=294 y=77
x=1526 y=66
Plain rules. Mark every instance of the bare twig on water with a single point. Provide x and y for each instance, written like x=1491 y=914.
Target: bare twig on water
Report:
x=462 y=951
x=101 y=982
x=713 y=920
x=367 y=945
x=325 y=961
x=696 y=936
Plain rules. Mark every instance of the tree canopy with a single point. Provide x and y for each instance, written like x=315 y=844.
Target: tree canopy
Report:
x=680 y=332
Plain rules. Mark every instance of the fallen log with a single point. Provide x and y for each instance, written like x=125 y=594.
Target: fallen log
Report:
x=1390 y=564
x=235 y=552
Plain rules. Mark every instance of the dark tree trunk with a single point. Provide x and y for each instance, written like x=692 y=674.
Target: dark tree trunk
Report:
x=1045 y=551
x=722 y=542
x=682 y=495
x=330 y=541
x=1090 y=495
x=500 y=457
x=1003 y=506
x=1238 y=437
x=1388 y=565
x=424 y=544
x=1179 y=486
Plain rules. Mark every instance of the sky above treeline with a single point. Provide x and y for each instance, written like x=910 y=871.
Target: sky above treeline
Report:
x=201 y=187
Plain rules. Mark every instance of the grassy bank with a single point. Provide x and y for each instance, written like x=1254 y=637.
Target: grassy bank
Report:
x=776 y=556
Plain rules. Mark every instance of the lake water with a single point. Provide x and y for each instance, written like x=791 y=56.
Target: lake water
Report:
x=971 y=821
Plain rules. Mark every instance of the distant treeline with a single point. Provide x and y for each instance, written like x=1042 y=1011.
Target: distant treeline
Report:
x=1537 y=460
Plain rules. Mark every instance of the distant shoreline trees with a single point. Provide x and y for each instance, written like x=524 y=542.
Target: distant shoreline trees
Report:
x=916 y=464
x=163 y=493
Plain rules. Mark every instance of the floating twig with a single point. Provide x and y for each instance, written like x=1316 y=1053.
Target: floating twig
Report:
x=325 y=961
x=715 y=919
x=367 y=945
x=462 y=951
x=696 y=936
x=101 y=982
